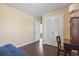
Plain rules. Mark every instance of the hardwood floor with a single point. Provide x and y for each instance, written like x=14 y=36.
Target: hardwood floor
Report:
x=37 y=49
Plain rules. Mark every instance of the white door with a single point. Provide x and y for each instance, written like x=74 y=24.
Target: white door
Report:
x=53 y=26
x=37 y=30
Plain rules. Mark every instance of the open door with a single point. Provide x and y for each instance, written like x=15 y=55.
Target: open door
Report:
x=37 y=30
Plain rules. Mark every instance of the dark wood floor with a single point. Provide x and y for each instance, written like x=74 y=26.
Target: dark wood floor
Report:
x=37 y=49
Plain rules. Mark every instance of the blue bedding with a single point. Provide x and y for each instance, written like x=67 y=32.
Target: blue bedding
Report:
x=10 y=50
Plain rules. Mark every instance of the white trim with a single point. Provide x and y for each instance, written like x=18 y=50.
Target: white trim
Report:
x=25 y=44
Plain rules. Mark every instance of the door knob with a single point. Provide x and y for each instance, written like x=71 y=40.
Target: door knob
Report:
x=52 y=33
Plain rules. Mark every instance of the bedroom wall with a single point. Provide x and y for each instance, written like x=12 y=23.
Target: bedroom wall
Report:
x=66 y=20
x=16 y=27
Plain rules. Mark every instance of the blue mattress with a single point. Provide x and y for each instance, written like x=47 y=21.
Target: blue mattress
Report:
x=10 y=50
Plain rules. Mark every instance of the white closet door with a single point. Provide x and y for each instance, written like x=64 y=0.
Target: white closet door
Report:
x=47 y=31
x=53 y=26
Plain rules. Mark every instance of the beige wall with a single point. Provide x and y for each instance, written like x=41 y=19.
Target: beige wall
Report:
x=66 y=20
x=16 y=27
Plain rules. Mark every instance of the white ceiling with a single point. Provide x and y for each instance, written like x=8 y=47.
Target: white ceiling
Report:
x=37 y=9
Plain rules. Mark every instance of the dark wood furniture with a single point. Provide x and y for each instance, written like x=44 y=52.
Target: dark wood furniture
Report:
x=74 y=31
x=73 y=44
x=60 y=49
x=68 y=47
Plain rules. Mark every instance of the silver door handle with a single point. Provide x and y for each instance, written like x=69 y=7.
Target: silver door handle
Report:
x=52 y=32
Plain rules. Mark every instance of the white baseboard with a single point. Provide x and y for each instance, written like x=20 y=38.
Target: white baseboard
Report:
x=26 y=43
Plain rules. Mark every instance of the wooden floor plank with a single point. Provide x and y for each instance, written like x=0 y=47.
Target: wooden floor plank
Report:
x=37 y=49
